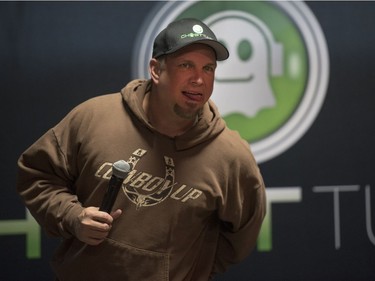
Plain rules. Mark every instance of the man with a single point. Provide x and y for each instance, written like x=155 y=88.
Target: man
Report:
x=194 y=200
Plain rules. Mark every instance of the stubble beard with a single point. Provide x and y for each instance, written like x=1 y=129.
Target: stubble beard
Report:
x=188 y=114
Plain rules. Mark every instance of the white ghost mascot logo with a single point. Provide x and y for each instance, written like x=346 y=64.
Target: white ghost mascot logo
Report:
x=242 y=82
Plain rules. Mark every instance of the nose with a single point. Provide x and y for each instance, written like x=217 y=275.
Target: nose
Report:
x=197 y=77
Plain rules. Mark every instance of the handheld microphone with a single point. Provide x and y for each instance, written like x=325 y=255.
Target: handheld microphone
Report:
x=120 y=170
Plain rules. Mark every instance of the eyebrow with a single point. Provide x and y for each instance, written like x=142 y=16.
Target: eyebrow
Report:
x=212 y=64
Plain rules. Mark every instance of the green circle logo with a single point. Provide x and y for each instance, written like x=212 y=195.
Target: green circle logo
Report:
x=272 y=86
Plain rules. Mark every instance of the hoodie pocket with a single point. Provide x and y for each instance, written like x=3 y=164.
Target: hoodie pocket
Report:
x=111 y=260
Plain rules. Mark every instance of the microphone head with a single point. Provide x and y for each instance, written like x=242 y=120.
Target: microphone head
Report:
x=121 y=169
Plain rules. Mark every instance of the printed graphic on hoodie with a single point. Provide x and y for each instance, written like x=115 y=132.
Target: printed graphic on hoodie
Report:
x=145 y=189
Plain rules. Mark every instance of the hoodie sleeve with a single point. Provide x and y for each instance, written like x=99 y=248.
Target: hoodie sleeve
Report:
x=241 y=212
x=45 y=181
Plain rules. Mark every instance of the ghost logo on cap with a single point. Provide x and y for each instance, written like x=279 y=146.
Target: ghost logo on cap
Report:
x=198 y=29
x=198 y=33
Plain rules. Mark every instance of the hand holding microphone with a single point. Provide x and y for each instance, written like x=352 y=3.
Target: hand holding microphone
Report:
x=92 y=226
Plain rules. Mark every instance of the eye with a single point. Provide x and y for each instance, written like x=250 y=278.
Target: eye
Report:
x=209 y=68
x=185 y=65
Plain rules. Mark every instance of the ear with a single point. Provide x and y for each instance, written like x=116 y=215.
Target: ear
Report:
x=154 y=68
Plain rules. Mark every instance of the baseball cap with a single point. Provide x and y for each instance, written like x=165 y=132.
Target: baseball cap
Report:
x=184 y=32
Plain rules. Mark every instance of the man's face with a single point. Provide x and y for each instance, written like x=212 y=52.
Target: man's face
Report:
x=186 y=79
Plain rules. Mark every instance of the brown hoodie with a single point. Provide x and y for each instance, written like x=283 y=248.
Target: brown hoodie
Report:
x=192 y=205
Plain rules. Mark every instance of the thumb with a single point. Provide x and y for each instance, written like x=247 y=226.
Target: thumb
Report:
x=116 y=214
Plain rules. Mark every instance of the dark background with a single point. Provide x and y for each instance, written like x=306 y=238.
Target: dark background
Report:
x=54 y=55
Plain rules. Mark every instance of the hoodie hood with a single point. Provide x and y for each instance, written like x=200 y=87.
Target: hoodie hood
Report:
x=209 y=124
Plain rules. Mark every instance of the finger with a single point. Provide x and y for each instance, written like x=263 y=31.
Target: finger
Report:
x=94 y=225
x=102 y=217
x=97 y=234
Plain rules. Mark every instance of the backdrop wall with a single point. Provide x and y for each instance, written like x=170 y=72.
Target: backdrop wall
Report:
x=320 y=223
